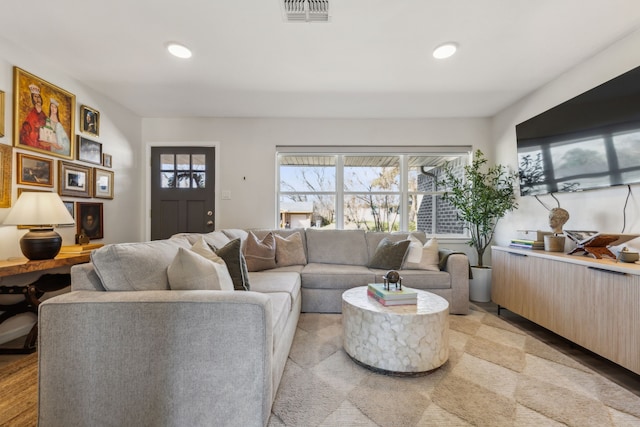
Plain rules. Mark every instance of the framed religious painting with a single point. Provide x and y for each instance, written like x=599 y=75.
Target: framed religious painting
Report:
x=5 y=175
x=74 y=180
x=89 y=220
x=90 y=120
x=44 y=116
x=33 y=170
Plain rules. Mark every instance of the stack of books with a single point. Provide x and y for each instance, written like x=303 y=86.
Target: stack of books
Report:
x=392 y=297
x=526 y=239
x=527 y=244
x=80 y=248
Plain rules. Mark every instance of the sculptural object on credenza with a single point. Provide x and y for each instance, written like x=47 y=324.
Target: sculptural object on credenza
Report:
x=557 y=218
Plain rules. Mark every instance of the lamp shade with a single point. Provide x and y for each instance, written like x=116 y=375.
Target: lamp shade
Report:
x=39 y=210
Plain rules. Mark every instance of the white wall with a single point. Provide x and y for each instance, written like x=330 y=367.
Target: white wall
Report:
x=600 y=210
x=120 y=136
x=247 y=151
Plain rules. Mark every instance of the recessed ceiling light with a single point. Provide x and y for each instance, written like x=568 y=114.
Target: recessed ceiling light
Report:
x=178 y=50
x=445 y=50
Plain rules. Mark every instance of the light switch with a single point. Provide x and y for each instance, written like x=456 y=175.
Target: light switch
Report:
x=226 y=195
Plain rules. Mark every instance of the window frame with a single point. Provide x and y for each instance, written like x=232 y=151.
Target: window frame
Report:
x=402 y=152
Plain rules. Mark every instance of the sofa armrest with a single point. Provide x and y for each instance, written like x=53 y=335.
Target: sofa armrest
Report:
x=155 y=358
x=457 y=265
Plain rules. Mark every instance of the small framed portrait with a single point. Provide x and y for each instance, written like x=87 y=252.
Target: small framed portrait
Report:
x=103 y=184
x=74 y=180
x=90 y=120
x=44 y=116
x=106 y=160
x=89 y=151
x=34 y=170
x=89 y=220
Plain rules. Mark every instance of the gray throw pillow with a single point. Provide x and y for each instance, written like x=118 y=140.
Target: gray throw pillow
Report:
x=231 y=254
x=389 y=255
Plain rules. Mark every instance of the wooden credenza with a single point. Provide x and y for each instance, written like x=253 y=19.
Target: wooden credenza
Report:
x=594 y=303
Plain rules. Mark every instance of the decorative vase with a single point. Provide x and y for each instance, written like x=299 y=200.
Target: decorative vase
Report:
x=480 y=284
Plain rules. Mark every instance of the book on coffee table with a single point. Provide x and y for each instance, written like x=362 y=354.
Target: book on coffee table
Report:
x=391 y=302
x=392 y=296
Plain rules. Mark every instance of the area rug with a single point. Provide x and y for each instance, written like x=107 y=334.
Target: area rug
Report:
x=19 y=392
x=497 y=375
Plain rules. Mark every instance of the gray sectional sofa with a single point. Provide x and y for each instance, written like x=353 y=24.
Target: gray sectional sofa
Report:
x=156 y=356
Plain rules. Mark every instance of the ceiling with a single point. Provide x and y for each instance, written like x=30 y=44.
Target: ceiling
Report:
x=371 y=60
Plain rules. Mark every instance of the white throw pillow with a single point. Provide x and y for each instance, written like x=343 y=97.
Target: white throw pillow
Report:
x=422 y=257
x=191 y=271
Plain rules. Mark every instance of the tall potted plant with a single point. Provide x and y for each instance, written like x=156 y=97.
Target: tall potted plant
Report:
x=481 y=195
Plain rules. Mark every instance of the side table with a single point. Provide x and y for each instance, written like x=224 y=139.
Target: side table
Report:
x=33 y=292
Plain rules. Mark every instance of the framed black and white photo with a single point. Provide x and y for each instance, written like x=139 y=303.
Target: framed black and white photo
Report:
x=89 y=151
x=74 y=180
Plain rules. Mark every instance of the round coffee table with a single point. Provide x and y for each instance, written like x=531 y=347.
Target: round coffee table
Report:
x=399 y=340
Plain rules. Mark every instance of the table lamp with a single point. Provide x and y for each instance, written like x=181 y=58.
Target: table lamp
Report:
x=40 y=212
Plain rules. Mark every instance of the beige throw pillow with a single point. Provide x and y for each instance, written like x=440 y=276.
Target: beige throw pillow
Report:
x=192 y=271
x=289 y=250
x=422 y=257
x=260 y=254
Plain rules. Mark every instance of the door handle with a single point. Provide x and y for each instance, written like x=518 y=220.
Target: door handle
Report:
x=209 y=223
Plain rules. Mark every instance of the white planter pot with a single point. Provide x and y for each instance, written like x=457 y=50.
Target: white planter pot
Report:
x=480 y=285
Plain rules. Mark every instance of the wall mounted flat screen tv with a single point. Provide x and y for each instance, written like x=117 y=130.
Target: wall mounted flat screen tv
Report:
x=590 y=141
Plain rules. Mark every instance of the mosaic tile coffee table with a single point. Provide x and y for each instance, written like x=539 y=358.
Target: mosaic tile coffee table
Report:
x=397 y=340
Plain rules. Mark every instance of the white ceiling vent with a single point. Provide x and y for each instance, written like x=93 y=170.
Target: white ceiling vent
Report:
x=306 y=10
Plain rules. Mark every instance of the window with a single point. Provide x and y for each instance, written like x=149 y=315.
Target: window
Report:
x=383 y=190
x=183 y=170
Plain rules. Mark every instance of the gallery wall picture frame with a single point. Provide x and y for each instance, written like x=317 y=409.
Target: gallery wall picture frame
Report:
x=103 y=183
x=90 y=120
x=74 y=180
x=71 y=207
x=106 y=160
x=43 y=116
x=34 y=170
x=6 y=177
x=1 y=113
x=90 y=219
x=89 y=151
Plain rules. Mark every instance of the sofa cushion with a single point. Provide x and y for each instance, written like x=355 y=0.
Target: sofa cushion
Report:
x=419 y=279
x=268 y=282
x=335 y=276
x=260 y=254
x=192 y=271
x=422 y=257
x=289 y=250
x=136 y=266
x=345 y=247
x=231 y=254
x=389 y=255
